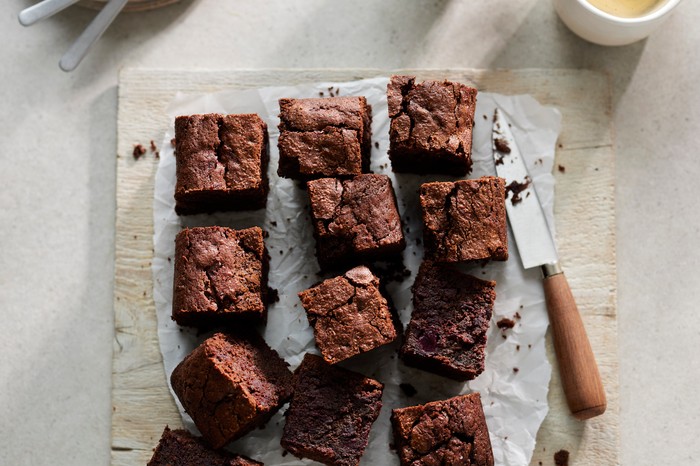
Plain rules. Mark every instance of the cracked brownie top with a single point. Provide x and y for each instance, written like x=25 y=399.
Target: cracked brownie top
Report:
x=221 y=162
x=450 y=432
x=465 y=220
x=431 y=125
x=327 y=137
x=355 y=219
x=349 y=315
x=231 y=384
x=220 y=273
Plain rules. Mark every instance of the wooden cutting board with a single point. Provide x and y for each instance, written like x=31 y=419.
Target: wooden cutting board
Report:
x=585 y=223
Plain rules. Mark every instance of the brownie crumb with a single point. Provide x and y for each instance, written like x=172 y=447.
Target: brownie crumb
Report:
x=273 y=296
x=173 y=142
x=376 y=144
x=517 y=315
x=502 y=145
x=485 y=117
x=408 y=389
x=515 y=369
x=516 y=188
x=561 y=458
x=154 y=148
x=562 y=169
x=273 y=223
x=560 y=145
x=505 y=323
x=517 y=348
x=139 y=151
x=321 y=94
x=529 y=346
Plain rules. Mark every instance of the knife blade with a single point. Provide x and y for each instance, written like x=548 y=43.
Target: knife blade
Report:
x=578 y=369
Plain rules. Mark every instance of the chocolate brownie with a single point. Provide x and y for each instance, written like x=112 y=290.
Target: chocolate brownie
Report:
x=355 y=220
x=220 y=276
x=349 y=315
x=431 y=126
x=450 y=432
x=231 y=384
x=465 y=220
x=180 y=448
x=329 y=137
x=331 y=413
x=451 y=315
x=221 y=163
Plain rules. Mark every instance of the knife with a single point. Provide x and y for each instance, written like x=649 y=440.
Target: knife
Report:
x=579 y=372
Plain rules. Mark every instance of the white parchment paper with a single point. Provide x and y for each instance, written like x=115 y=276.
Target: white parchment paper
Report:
x=514 y=385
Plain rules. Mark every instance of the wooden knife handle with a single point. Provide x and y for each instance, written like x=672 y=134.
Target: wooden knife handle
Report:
x=579 y=372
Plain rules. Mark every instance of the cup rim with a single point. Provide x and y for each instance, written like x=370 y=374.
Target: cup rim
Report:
x=659 y=12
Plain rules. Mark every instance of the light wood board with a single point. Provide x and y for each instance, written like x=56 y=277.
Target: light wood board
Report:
x=585 y=223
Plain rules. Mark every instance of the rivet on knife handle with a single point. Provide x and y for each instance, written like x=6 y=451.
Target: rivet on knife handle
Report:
x=579 y=372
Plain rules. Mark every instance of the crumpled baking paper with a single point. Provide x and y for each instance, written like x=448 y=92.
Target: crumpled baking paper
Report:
x=514 y=385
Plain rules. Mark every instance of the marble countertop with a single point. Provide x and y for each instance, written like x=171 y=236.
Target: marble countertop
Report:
x=57 y=187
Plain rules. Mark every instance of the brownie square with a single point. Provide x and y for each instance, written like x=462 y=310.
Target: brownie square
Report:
x=331 y=413
x=355 y=220
x=451 y=315
x=349 y=315
x=231 y=384
x=329 y=137
x=465 y=220
x=220 y=276
x=221 y=163
x=180 y=448
x=450 y=432
x=431 y=126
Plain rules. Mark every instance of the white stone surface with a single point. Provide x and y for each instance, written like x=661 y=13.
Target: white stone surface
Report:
x=57 y=174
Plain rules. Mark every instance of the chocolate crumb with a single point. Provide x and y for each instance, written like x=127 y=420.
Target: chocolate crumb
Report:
x=273 y=223
x=505 y=323
x=169 y=260
x=504 y=337
x=502 y=145
x=172 y=142
x=157 y=154
x=321 y=94
x=562 y=169
x=376 y=144
x=561 y=458
x=485 y=117
x=529 y=346
x=154 y=148
x=408 y=389
x=516 y=188
x=517 y=347
x=538 y=161
x=273 y=296
x=139 y=150
x=560 y=145
x=517 y=315
x=516 y=370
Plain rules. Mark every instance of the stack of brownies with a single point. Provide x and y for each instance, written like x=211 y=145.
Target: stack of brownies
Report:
x=234 y=382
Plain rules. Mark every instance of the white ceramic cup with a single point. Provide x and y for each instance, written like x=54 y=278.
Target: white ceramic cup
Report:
x=602 y=28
